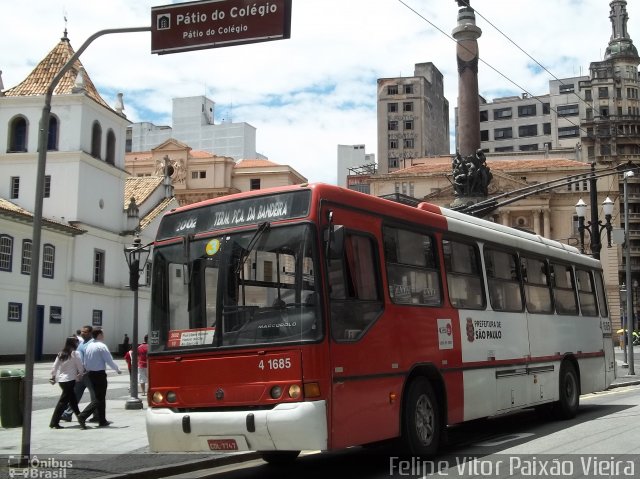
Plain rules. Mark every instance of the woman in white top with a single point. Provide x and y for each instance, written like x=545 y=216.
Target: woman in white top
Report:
x=67 y=368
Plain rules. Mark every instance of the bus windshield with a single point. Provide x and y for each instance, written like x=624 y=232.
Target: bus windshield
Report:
x=253 y=287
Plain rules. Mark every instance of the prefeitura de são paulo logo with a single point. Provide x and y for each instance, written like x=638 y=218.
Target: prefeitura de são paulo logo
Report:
x=470 y=330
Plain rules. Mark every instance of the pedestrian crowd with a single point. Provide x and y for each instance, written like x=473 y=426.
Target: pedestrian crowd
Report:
x=80 y=365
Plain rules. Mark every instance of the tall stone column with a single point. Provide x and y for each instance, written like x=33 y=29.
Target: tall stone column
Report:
x=547 y=225
x=504 y=218
x=466 y=35
x=536 y=222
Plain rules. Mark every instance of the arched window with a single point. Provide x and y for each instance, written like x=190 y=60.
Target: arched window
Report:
x=6 y=252
x=96 y=139
x=18 y=134
x=111 y=147
x=52 y=142
x=25 y=267
x=48 y=260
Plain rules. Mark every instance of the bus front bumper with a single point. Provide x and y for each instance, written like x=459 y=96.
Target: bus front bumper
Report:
x=286 y=427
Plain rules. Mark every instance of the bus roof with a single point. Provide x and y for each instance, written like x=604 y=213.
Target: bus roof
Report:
x=423 y=213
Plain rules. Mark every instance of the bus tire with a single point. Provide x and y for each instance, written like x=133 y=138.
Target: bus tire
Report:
x=421 y=419
x=569 y=392
x=279 y=458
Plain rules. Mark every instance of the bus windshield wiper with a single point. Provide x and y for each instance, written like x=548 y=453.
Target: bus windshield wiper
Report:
x=262 y=228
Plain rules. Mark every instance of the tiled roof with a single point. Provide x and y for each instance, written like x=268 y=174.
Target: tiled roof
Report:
x=254 y=164
x=9 y=209
x=442 y=165
x=200 y=154
x=154 y=213
x=140 y=187
x=40 y=78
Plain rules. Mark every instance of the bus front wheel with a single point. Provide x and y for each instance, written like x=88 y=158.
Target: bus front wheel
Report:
x=421 y=428
x=569 y=394
x=279 y=458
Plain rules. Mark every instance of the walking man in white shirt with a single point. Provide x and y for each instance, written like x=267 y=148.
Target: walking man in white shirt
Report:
x=96 y=358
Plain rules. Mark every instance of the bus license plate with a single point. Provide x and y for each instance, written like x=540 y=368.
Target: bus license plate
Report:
x=222 y=444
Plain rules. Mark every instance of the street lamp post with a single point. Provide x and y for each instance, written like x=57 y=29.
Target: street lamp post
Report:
x=623 y=322
x=136 y=256
x=626 y=176
x=594 y=227
x=635 y=305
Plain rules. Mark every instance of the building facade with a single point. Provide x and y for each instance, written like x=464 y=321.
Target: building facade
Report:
x=197 y=175
x=534 y=123
x=352 y=156
x=193 y=124
x=412 y=117
x=83 y=277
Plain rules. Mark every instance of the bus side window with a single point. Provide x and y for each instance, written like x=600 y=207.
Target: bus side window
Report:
x=412 y=268
x=586 y=293
x=563 y=289
x=464 y=279
x=536 y=285
x=602 y=297
x=503 y=277
x=355 y=289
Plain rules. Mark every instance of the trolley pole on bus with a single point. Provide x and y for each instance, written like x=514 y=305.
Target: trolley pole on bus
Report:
x=627 y=175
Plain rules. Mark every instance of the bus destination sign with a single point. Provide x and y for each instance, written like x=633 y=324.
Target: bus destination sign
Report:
x=189 y=26
x=233 y=214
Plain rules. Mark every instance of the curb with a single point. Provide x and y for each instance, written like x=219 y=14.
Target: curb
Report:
x=631 y=382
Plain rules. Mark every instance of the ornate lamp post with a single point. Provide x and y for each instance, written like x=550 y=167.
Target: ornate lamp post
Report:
x=136 y=256
x=594 y=227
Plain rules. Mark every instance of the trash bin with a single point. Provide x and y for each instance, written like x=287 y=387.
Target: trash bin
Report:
x=11 y=397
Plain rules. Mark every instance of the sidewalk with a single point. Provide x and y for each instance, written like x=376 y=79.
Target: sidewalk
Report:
x=121 y=450
x=623 y=377
x=107 y=452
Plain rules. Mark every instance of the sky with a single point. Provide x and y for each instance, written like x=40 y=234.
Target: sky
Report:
x=317 y=90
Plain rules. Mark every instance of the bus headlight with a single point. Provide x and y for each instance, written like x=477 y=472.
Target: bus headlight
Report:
x=157 y=397
x=294 y=391
x=171 y=396
x=276 y=392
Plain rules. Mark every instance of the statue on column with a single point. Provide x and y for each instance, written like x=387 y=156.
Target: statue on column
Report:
x=471 y=175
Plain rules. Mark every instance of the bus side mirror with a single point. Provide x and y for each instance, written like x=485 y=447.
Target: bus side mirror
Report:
x=336 y=242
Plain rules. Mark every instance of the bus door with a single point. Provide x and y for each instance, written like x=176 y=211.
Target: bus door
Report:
x=500 y=335
x=361 y=338
x=607 y=330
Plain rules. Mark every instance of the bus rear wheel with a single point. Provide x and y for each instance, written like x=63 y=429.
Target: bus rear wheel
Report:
x=569 y=392
x=422 y=426
x=279 y=458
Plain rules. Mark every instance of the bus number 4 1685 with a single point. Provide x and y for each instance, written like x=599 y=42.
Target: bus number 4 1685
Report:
x=278 y=363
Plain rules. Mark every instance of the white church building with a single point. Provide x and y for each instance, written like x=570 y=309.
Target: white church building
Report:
x=88 y=218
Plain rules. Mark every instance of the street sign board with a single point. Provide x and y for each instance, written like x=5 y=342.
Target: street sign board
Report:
x=189 y=26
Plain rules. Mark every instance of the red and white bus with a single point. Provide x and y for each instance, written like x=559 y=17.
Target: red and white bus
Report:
x=315 y=318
